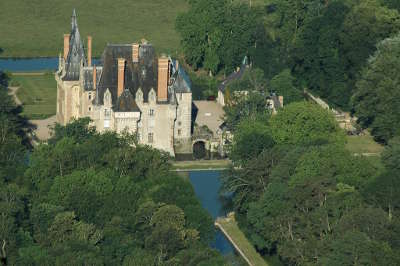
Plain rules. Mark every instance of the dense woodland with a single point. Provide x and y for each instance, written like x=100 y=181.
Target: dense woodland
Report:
x=332 y=48
x=298 y=194
x=94 y=199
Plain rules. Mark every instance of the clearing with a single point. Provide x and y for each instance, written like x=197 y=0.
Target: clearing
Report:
x=38 y=94
x=363 y=145
x=35 y=28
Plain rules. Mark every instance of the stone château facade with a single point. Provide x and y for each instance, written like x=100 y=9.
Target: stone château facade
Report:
x=130 y=90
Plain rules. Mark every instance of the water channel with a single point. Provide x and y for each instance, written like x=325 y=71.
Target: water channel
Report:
x=206 y=185
x=31 y=64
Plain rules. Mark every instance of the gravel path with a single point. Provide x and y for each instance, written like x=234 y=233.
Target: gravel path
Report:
x=42 y=130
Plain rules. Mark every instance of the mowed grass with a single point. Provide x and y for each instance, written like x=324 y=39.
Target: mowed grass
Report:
x=363 y=144
x=204 y=164
x=35 y=28
x=231 y=227
x=38 y=95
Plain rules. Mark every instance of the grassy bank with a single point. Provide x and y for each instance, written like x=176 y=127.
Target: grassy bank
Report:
x=201 y=165
x=363 y=144
x=35 y=28
x=230 y=228
x=38 y=95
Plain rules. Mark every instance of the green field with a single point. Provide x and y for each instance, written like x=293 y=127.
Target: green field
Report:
x=38 y=95
x=363 y=144
x=35 y=28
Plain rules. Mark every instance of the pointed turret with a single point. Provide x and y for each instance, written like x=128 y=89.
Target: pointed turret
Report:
x=76 y=52
x=74 y=23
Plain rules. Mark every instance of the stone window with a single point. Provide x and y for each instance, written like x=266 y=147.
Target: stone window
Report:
x=150 y=137
x=107 y=113
x=179 y=123
x=179 y=132
x=90 y=96
x=151 y=112
x=90 y=109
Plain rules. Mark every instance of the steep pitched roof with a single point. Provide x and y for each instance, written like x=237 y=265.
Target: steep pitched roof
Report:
x=137 y=75
x=181 y=81
x=88 y=77
x=126 y=103
x=235 y=75
x=76 y=54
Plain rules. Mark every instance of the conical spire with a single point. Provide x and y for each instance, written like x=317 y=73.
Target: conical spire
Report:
x=76 y=54
x=74 y=23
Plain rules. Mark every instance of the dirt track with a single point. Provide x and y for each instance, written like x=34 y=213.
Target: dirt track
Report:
x=42 y=130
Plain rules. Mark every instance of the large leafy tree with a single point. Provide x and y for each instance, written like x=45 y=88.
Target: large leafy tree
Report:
x=304 y=123
x=317 y=54
x=376 y=99
x=366 y=24
x=216 y=34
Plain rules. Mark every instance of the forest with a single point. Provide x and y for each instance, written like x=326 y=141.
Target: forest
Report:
x=94 y=199
x=345 y=51
x=298 y=194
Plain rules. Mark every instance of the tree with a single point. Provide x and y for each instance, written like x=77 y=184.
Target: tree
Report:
x=250 y=139
x=376 y=99
x=317 y=55
x=365 y=25
x=216 y=34
x=304 y=123
x=283 y=84
x=251 y=106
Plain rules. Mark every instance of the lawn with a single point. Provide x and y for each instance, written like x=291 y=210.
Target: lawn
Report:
x=202 y=164
x=230 y=226
x=38 y=95
x=35 y=28
x=363 y=144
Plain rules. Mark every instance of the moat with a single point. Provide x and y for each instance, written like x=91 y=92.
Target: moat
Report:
x=206 y=185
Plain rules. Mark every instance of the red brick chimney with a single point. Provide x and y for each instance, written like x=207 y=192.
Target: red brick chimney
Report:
x=94 y=77
x=135 y=52
x=89 y=48
x=163 y=76
x=281 y=100
x=121 y=76
x=66 y=45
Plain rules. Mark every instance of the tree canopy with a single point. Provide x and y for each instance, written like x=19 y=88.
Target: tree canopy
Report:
x=87 y=198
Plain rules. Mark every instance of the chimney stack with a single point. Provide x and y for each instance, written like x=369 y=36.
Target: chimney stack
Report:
x=94 y=77
x=66 y=45
x=89 y=45
x=281 y=100
x=163 y=75
x=121 y=75
x=135 y=52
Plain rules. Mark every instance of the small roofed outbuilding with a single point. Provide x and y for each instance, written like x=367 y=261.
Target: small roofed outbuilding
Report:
x=236 y=75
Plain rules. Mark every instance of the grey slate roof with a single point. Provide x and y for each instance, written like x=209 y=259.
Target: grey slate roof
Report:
x=142 y=74
x=181 y=82
x=88 y=77
x=137 y=75
x=76 y=54
x=126 y=103
x=235 y=75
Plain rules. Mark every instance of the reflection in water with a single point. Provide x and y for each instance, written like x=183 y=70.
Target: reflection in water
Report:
x=206 y=185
